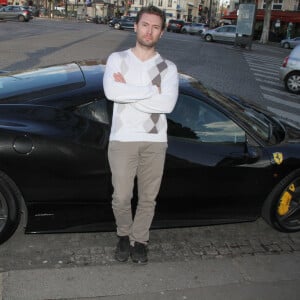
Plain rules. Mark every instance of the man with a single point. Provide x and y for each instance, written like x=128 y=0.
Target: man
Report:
x=143 y=87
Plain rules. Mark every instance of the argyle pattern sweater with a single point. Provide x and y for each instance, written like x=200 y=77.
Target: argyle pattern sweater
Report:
x=139 y=109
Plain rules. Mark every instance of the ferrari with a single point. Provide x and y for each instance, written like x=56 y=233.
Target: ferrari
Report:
x=228 y=160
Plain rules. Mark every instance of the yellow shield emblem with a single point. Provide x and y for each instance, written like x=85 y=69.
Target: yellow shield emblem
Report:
x=278 y=157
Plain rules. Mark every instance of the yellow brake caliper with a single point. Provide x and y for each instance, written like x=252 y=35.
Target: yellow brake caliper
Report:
x=285 y=200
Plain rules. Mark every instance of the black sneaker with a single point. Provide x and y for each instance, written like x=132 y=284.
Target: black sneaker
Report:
x=123 y=249
x=139 y=253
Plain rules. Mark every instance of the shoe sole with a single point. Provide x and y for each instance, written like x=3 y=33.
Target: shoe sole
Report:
x=121 y=260
x=141 y=262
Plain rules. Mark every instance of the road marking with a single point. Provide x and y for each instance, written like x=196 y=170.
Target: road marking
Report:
x=284 y=114
x=266 y=76
x=269 y=66
x=278 y=100
x=266 y=72
x=283 y=93
x=267 y=81
x=263 y=71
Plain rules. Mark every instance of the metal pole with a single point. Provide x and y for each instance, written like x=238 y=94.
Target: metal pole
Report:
x=209 y=13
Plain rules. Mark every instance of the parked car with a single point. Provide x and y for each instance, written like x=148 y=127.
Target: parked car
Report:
x=194 y=28
x=289 y=72
x=125 y=23
x=290 y=43
x=226 y=33
x=113 y=21
x=227 y=160
x=15 y=12
x=175 y=25
x=96 y=20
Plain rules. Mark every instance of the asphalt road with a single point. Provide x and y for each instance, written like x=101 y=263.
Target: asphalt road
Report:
x=211 y=262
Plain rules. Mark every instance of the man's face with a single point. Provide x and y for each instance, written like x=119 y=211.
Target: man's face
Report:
x=148 y=30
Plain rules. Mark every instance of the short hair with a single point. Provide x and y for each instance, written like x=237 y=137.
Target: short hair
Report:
x=151 y=9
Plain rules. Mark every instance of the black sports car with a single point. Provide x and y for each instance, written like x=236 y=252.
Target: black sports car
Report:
x=227 y=161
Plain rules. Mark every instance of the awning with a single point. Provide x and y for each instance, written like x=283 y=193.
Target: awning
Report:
x=283 y=16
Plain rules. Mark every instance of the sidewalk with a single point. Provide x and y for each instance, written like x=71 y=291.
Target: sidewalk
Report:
x=249 y=277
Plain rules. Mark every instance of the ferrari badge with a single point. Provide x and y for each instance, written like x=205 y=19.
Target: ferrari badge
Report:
x=278 y=157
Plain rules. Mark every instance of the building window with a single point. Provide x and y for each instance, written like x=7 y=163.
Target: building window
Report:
x=160 y=2
x=142 y=2
x=276 y=4
x=169 y=3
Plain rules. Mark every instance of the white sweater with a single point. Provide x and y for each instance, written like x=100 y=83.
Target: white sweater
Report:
x=139 y=108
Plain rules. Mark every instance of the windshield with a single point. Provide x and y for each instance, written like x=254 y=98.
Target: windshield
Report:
x=266 y=127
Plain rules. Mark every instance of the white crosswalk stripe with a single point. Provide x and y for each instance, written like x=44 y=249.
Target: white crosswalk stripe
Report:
x=276 y=99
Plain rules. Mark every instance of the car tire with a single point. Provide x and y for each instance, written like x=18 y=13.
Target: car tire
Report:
x=292 y=82
x=183 y=31
x=21 y=18
x=117 y=26
x=9 y=207
x=208 y=38
x=282 y=207
x=286 y=46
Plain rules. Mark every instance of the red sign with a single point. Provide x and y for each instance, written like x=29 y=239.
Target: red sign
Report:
x=3 y=2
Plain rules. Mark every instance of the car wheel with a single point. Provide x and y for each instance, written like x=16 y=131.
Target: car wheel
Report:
x=21 y=18
x=184 y=31
x=9 y=208
x=117 y=26
x=208 y=38
x=286 y=45
x=282 y=207
x=292 y=82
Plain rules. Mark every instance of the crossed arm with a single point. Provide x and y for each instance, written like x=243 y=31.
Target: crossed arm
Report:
x=148 y=98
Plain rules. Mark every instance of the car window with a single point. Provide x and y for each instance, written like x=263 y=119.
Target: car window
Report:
x=96 y=111
x=231 y=29
x=222 y=29
x=196 y=120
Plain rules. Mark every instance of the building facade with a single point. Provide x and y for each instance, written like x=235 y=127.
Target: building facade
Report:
x=285 y=17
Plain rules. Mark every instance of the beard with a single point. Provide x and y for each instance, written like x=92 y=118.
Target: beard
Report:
x=146 y=43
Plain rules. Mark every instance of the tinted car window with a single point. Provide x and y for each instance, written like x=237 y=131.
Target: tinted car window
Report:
x=96 y=111
x=194 y=119
x=222 y=29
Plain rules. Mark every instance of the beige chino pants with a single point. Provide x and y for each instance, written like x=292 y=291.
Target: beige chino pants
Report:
x=128 y=160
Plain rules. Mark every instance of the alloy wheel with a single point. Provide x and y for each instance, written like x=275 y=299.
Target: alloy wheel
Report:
x=288 y=208
x=3 y=212
x=292 y=82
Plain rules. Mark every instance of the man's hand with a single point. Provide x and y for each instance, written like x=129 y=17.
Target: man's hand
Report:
x=119 y=77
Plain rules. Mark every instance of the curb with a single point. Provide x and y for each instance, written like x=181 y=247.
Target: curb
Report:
x=1 y=286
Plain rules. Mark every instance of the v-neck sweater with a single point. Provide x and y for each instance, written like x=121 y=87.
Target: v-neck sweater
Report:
x=139 y=106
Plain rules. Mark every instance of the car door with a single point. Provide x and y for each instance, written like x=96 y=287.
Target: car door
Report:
x=8 y=13
x=220 y=34
x=231 y=34
x=16 y=12
x=206 y=174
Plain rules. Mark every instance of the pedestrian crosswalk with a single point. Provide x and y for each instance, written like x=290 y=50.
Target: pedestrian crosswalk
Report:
x=276 y=99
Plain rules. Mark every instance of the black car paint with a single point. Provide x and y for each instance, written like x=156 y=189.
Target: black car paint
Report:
x=67 y=187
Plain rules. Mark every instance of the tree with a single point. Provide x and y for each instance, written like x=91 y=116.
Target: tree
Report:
x=265 y=33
